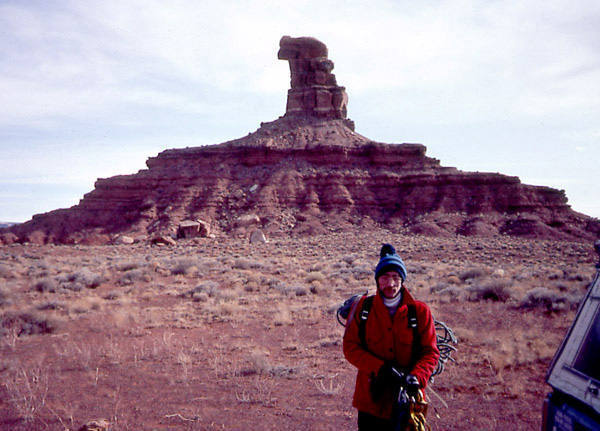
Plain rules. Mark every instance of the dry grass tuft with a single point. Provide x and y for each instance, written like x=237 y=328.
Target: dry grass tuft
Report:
x=27 y=389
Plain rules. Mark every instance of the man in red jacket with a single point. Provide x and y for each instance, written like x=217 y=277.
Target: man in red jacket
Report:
x=386 y=351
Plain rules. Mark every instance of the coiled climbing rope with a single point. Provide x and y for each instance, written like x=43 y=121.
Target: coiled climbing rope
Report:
x=416 y=415
x=445 y=343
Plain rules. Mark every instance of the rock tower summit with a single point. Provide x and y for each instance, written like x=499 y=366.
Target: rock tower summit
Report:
x=314 y=91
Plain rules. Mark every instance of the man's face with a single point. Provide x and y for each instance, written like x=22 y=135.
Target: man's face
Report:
x=390 y=284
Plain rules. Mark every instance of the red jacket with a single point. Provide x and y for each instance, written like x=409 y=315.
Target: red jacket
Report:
x=388 y=340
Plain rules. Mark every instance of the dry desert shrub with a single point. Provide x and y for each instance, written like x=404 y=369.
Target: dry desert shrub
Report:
x=208 y=288
x=7 y=272
x=283 y=288
x=4 y=296
x=472 y=273
x=46 y=285
x=510 y=350
x=184 y=266
x=317 y=267
x=314 y=276
x=133 y=276
x=27 y=323
x=243 y=263
x=51 y=305
x=84 y=305
x=300 y=290
x=112 y=295
x=542 y=297
x=206 y=264
x=128 y=265
x=449 y=293
x=495 y=290
x=438 y=287
x=283 y=316
x=89 y=279
x=318 y=289
x=77 y=280
x=362 y=272
x=227 y=309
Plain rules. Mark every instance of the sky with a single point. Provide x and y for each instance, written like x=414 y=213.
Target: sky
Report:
x=91 y=89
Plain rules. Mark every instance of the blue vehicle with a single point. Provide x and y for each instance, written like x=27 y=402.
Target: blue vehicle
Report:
x=574 y=375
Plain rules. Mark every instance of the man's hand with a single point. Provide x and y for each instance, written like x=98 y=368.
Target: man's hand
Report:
x=388 y=378
x=412 y=385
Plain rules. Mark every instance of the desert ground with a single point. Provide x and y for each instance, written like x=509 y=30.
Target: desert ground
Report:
x=221 y=334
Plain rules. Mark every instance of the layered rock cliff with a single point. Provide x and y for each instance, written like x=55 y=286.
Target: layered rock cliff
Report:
x=307 y=172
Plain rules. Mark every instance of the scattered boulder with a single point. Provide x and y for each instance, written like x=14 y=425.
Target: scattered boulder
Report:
x=162 y=240
x=204 y=228
x=96 y=425
x=258 y=236
x=124 y=240
x=193 y=229
x=247 y=220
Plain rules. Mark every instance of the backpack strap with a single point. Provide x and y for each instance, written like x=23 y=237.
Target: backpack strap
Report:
x=362 y=320
x=413 y=323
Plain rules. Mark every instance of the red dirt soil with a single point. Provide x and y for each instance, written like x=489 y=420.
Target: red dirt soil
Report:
x=262 y=350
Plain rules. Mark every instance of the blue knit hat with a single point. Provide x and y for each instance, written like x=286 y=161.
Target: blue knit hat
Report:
x=390 y=261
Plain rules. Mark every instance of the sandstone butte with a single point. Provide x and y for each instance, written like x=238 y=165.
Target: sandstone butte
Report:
x=308 y=172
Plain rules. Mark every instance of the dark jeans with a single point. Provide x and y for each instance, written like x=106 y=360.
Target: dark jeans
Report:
x=368 y=422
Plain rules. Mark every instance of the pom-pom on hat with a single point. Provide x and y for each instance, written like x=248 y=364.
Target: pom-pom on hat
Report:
x=390 y=261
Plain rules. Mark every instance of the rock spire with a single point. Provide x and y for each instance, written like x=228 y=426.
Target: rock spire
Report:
x=314 y=91
x=307 y=172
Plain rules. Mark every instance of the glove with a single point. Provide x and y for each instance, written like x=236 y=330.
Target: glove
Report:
x=412 y=385
x=388 y=378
